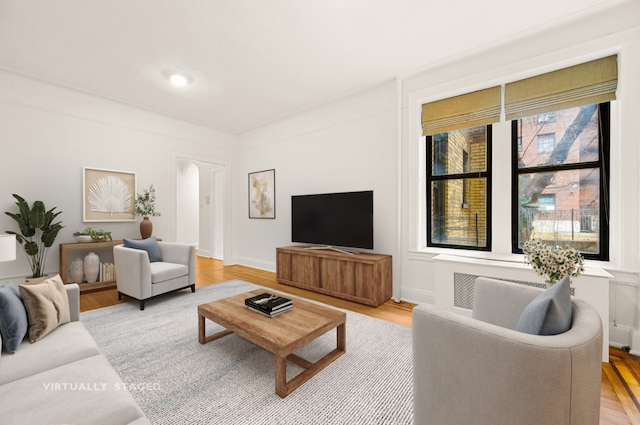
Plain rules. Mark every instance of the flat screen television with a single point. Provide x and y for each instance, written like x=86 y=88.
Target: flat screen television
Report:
x=333 y=219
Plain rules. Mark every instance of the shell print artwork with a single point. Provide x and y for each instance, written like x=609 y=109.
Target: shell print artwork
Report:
x=110 y=194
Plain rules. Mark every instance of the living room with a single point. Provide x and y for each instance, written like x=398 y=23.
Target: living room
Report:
x=368 y=139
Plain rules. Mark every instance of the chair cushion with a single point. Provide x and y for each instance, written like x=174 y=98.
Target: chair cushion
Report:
x=13 y=317
x=47 y=306
x=550 y=313
x=150 y=245
x=161 y=272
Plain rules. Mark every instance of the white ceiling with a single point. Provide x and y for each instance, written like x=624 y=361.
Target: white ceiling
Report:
x=252 y=61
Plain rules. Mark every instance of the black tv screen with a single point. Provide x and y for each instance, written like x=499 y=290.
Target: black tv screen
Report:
x=333 y=219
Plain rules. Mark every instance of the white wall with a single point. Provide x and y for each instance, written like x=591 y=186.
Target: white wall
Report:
x=348 y=145
x=49 y=133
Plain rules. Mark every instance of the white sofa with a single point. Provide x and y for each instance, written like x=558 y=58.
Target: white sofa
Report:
x=63 y=379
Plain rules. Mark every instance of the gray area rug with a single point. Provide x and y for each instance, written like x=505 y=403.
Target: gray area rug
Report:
x=176 y=380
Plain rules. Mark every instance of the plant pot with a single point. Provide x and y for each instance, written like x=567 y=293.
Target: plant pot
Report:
x=146 y=228
x=76 y=271
x=34 y=280
x=91 y=267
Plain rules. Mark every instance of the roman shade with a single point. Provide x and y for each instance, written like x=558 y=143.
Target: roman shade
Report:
x=464 y=111
x=588 y=83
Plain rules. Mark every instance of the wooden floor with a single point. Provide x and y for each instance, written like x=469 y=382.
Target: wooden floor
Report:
x=620 y=394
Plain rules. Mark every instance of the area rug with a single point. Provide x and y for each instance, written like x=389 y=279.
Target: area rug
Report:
x=176 y=380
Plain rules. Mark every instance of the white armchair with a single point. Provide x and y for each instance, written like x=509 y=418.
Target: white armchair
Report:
x=141 y=279
x=482 y=371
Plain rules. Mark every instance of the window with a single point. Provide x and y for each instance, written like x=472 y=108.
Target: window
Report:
x=458 y=168
x=546 y=117
x=561 y=192
x=546 y=142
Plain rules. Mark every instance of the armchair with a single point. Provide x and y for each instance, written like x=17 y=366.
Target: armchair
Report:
x=479 y=370
x=141 y=279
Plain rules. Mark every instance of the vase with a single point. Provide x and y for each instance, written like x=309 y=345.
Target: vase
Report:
x=146 y=228
x=76 y=271
x=91 y=267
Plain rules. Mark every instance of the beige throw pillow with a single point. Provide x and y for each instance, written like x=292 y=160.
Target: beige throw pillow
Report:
x=47 y=306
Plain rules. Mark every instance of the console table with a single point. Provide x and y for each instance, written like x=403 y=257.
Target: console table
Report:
x=363 y=278
x=69 y=251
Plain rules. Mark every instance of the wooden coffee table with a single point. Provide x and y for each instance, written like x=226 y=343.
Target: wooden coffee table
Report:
x=280 y=335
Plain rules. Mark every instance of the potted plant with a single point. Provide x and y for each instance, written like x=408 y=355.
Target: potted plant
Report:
x=37 y=232
x=92 y=235
x=552 y=262
x=145 y=207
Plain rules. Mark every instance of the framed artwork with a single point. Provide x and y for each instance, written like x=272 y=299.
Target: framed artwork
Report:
x=108 y=195
x=262 y=194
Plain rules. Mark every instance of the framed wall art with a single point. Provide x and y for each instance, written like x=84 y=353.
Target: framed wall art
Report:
x=262 y=194
x=108 y=195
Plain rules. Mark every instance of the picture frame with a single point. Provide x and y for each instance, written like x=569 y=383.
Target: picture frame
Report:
x=262 y=194
x=108 y=195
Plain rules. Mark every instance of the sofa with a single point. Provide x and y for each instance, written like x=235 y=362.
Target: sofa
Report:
x=148 y=268
x=492 y=369
x=64 y=378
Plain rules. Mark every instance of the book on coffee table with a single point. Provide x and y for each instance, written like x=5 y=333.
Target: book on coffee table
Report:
x=273 y=313
x=269 y=304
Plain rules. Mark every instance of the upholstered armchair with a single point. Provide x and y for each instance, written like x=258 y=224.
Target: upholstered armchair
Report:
x=479 y=370
x=145 y=269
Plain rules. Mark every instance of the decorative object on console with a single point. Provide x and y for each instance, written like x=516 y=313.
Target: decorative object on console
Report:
x=92 y=235
x=262 y=194
x=76 y=270
x=552 y=262
x=37 y=232
x=91 y=267
x=146 y=207
x=108 y=195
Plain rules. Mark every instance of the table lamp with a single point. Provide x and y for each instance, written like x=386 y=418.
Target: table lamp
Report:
x=7 y=247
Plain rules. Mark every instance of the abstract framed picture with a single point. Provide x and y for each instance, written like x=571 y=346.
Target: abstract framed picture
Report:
x=108 y=195
x=262 y=194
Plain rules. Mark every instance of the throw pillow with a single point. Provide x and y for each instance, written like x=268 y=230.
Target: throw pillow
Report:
x=13 y=317
x=47 y=306
x=550 y=313
x=150 y=245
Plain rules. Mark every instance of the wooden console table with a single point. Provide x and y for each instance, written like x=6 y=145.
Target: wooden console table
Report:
x=363 y=278
x=69 y=251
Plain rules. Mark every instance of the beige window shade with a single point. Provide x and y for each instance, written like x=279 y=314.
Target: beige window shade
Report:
x=464 y=111
x=591 y=82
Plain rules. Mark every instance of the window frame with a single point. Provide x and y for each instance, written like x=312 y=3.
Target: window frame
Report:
x=603 y=164
x=486 y=174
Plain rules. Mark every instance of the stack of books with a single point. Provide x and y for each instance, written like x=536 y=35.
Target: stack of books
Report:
x=268 y=304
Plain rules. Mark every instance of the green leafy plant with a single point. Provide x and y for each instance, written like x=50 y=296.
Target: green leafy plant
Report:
x=146 y=203
x=37 y=231
x=552 y=262
x=96 y=235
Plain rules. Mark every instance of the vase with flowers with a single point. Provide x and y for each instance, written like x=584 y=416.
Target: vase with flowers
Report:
x=146 y=207
x=552 y=262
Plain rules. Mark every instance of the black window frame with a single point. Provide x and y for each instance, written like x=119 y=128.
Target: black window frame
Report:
x=603 y=164
x=486 y=174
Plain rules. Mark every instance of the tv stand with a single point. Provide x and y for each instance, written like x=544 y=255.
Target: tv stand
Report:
x=364 y=278
x=333 y=248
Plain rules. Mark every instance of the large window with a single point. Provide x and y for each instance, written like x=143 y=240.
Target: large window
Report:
x=560 y=190
x=459 y=187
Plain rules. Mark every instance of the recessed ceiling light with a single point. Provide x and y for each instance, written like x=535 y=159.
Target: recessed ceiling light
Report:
x=179 y=79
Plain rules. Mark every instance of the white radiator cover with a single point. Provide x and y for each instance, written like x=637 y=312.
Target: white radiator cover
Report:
x=454 y=277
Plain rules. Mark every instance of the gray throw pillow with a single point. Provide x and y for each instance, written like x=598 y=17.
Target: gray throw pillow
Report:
x=13 y=317
x=550 y=313
x=150 y=245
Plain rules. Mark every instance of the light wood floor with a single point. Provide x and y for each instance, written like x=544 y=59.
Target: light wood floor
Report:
x=620 y=394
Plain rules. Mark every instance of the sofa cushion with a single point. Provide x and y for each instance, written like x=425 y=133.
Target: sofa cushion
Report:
x=150 y=245
x=550 y=312
x=47 y=306
x=161 y=272
x=13 y=317
x=87 y=391
x=66 y=344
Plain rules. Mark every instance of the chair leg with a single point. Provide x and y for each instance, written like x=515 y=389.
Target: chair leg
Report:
x=141 y=304
x=193 y=288
x=119 y=295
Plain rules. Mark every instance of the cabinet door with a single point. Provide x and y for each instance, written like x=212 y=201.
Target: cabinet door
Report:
x=338 y=276
x=366 y=281
x=304 y=269
x=283 y=266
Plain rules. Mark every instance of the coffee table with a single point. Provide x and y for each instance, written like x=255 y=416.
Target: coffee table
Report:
x=280 y=335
